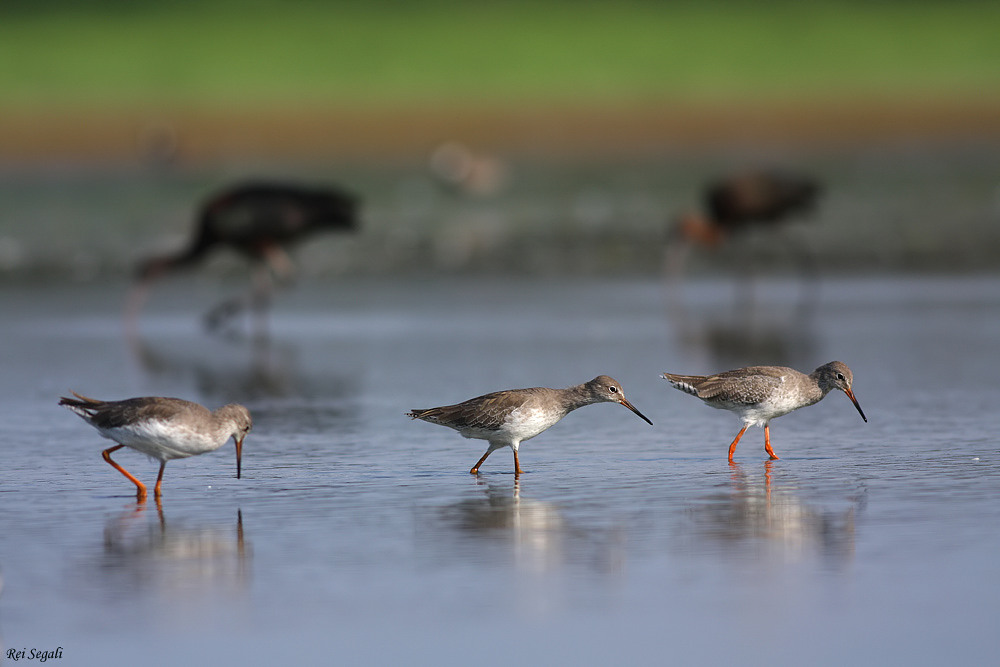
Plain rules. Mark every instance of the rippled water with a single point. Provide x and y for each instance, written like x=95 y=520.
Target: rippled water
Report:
x=357 y=535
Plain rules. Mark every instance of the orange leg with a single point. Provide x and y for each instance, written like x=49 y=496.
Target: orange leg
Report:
x=140 y=487
x=767 y=443
x=159 y=478
x=732 y=447
x=517 y=465
x=475 y=468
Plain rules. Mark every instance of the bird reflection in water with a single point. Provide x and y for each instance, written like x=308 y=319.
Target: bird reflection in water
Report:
x=779 y=334
x=724 y=343
x=260 y=220
x=233 y=370
x=756 y=512
x=540 y=538
x=152 y=555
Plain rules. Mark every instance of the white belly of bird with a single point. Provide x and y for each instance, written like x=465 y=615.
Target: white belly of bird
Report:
x=777 y=404
x=163 y=441
x=526 y=422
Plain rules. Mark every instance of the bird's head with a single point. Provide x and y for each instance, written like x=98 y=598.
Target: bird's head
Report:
x=693 y=227
x=607 y=389
x=836 y=375
x=241 y=421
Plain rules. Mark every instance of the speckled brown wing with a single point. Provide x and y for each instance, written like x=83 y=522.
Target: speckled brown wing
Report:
x=488 y=411
x=745 y=385
x=114 y=414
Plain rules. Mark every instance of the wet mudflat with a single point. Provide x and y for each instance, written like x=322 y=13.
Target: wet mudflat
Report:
x=358 y=535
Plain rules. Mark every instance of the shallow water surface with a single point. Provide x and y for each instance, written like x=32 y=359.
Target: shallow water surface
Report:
x=358 y=535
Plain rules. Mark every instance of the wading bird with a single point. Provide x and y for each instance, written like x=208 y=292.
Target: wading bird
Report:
x=758 y=394
x=506 y=418
x=260 y=220
x=163 y=428
x=747 y=199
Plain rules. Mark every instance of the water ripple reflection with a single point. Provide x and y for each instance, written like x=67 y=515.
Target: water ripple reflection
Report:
x=756 y=514
x=170 y=562
x=532 y=535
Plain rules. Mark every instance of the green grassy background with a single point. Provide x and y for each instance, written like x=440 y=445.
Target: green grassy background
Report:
x=223 y=54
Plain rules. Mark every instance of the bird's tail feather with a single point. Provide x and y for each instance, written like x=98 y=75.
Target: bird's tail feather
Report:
x=682 y=382
x=81 y=401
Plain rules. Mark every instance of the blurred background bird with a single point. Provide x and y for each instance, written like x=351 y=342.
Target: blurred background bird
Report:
x=461 y=171
x=260 y=220
x=755 y=198
x=734 y=208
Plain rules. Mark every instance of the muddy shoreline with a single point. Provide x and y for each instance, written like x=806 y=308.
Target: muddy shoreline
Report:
x=198 y=136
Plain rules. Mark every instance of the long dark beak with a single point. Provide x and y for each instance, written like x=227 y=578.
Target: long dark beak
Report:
x=631 y=407
x=850 y=395
x=239 y=456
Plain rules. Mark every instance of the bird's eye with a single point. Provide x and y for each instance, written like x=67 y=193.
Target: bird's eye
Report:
x=840 y=376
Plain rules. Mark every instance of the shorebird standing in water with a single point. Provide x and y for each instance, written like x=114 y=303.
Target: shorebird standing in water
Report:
x=758 y=394
x=260 y=220
x=756 y=198
x=163 y=428
x=507 y=418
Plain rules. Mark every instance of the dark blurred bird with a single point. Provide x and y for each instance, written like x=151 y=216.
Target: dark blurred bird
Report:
x=744 y=200
x=260 y=220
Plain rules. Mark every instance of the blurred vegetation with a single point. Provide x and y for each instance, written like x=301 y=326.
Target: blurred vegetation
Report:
x=222 y=53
